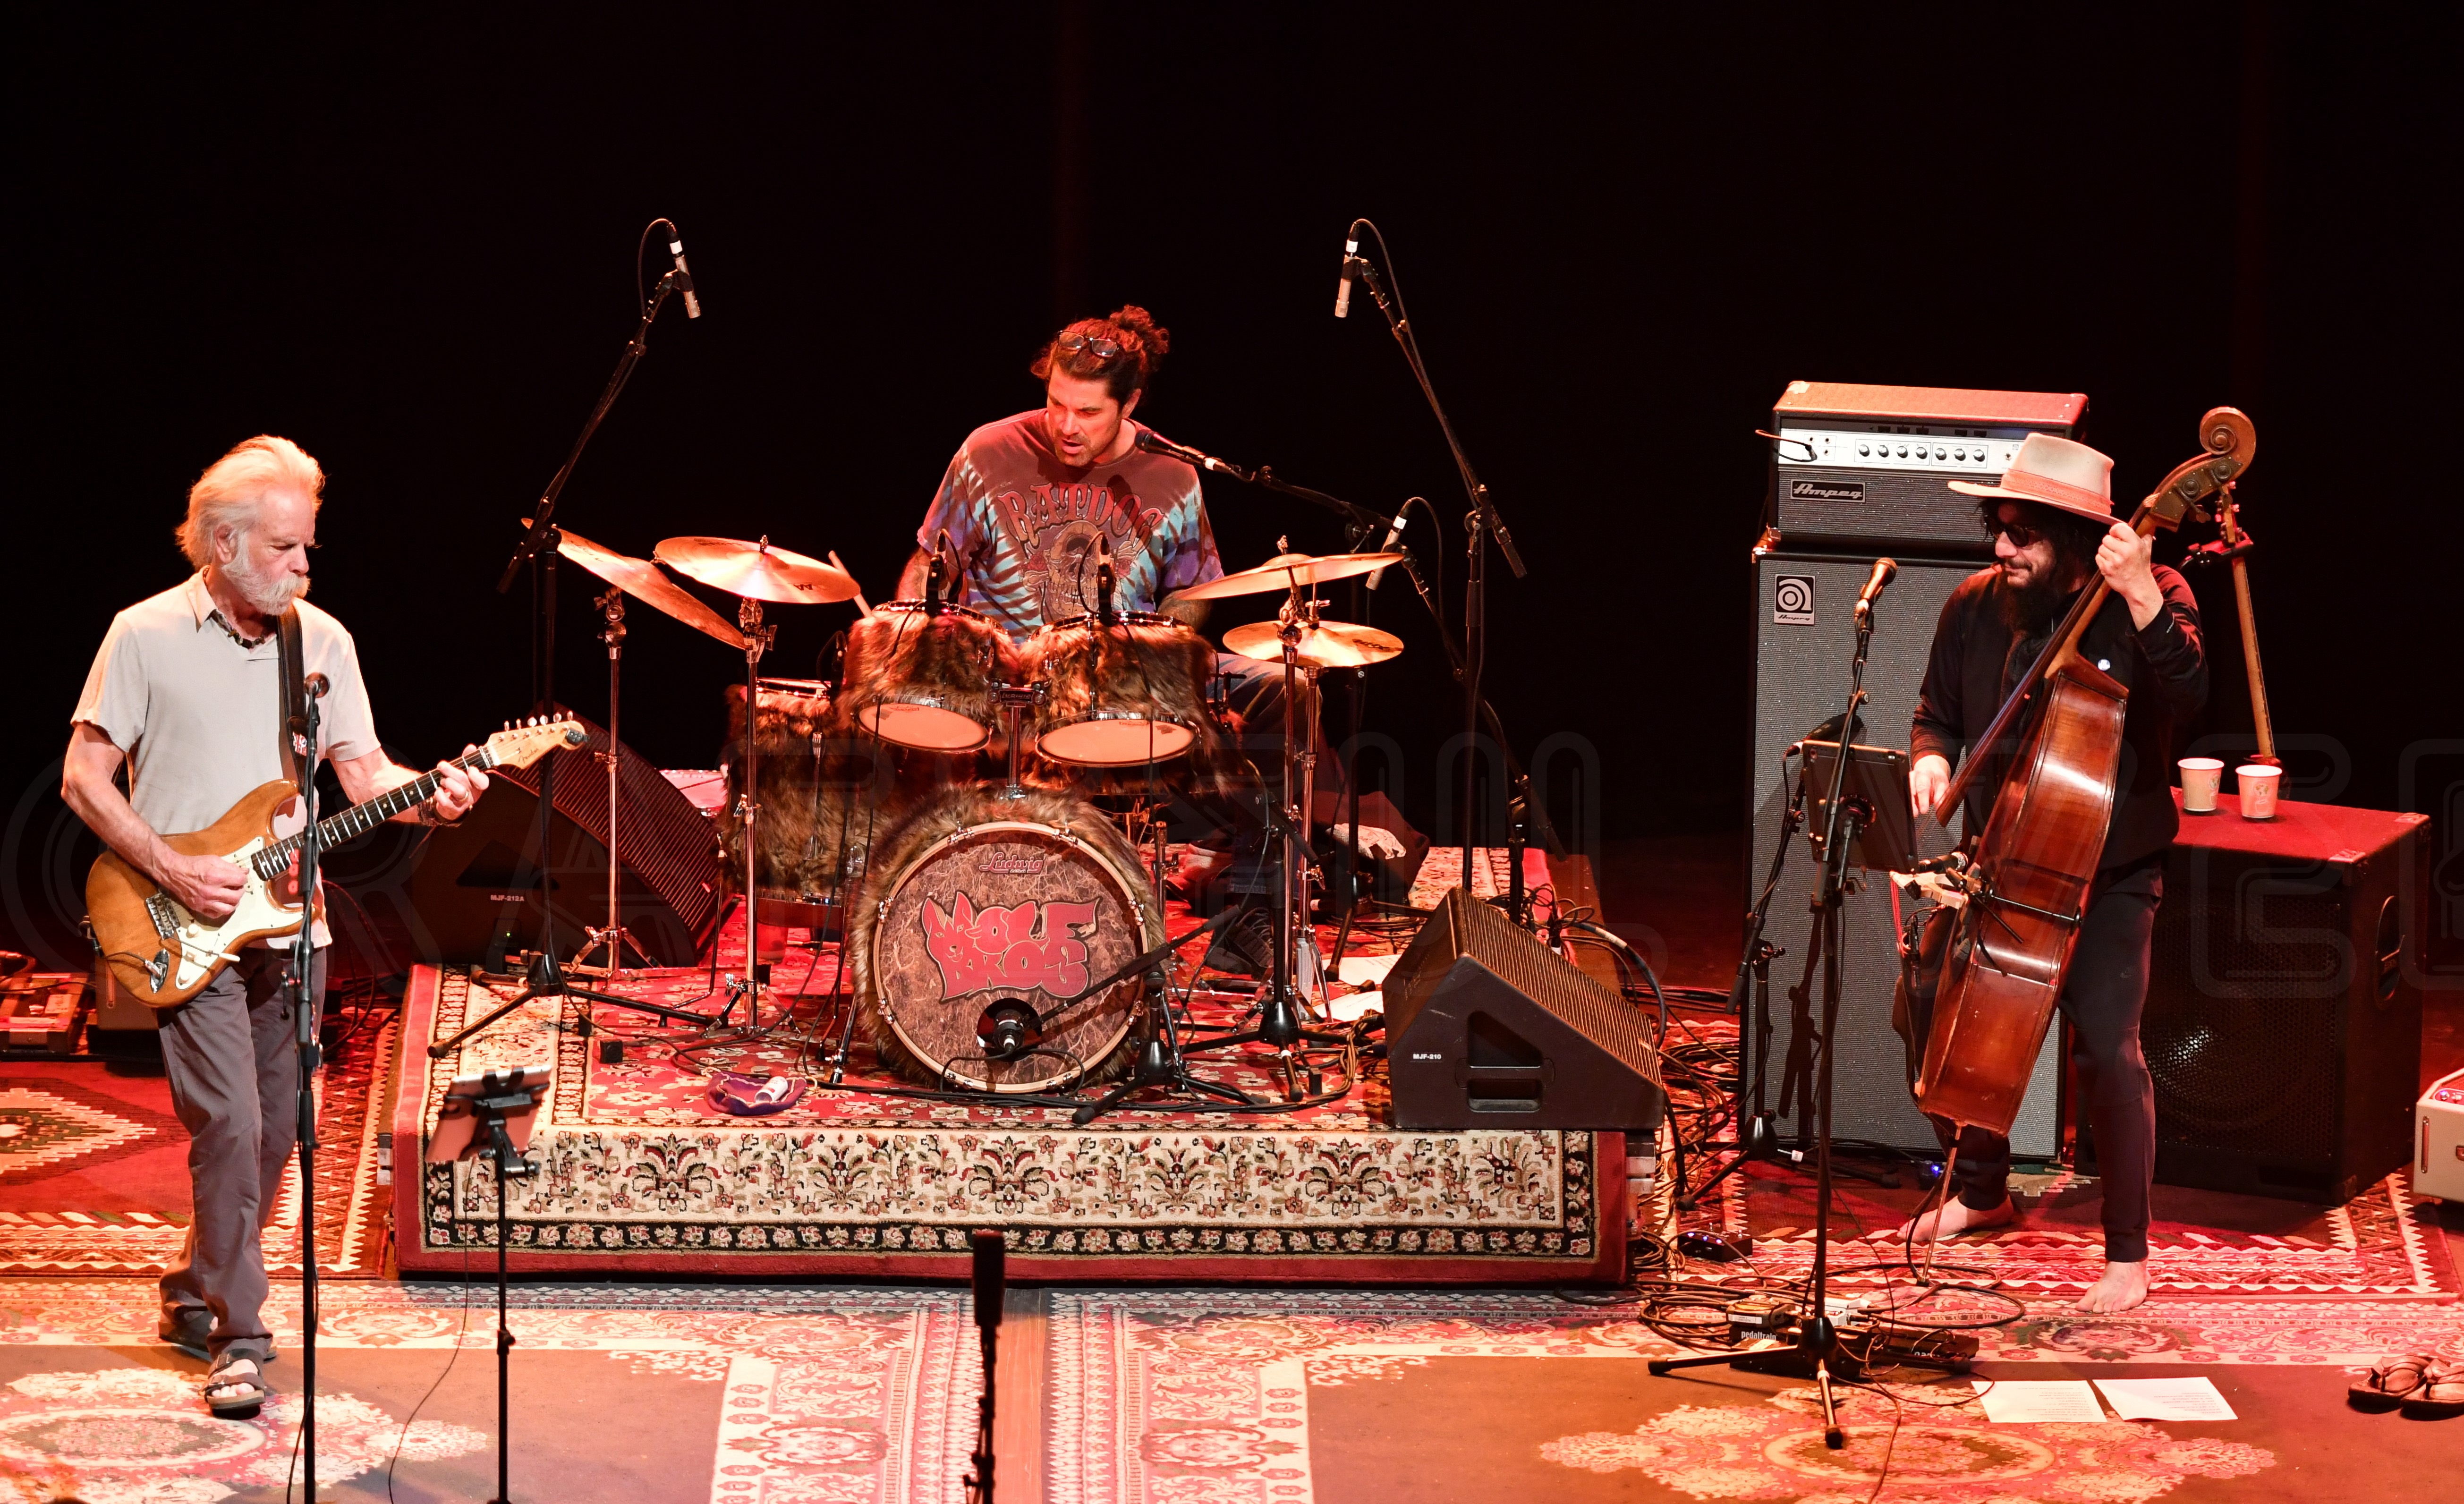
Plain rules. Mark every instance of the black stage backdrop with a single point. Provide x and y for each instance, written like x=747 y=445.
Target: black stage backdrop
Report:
x=406 y=244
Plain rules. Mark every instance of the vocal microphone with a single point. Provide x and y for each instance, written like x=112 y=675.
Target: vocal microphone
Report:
x=1343 y=287
x=1104 y=582
x=1886 y=570
x=1155 y=443
x=317 y=685
x=1387 y=547
x=683 y=273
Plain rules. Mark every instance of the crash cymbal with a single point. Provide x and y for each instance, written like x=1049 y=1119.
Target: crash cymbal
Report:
x=759 y=570
x=641 y=579
x=1283 y=571
x=1329 y=645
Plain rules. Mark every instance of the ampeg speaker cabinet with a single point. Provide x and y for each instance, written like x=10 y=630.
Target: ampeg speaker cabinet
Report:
x=1861 y=466
x=1488 y=1027
x=1804 y=640
x=2283 y=1026
x=476 y=889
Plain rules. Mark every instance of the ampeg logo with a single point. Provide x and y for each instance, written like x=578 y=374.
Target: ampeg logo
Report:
x=1793 y=600
x=1826 y=490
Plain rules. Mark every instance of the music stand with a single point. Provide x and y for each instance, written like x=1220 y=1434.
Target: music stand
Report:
x=1877 y=785
x=489 y=1115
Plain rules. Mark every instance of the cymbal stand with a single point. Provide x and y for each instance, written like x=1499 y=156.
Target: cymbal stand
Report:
x=748 y=801
x=615 y=937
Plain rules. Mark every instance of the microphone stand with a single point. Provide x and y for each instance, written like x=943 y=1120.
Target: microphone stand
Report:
x=538 y=550
x=305 y=1006
x=1482 y=520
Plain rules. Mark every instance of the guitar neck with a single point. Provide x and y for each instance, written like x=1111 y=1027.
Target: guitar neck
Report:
x=362 y=818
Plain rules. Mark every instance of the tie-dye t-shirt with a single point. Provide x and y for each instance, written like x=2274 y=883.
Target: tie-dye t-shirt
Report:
x=1030 y=530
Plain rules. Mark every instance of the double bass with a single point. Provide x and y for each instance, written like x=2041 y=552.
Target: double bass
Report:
x=2032 y=865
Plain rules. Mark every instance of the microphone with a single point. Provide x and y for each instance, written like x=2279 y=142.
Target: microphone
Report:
x=1886 y=570
x=1387 y=547
x=1104 y=581
x=988 y=1250
x=1155 y=443
x=1343 y=286
x=683 y=273
x=317 y=685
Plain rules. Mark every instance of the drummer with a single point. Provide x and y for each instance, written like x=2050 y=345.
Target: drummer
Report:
x=1030 y=504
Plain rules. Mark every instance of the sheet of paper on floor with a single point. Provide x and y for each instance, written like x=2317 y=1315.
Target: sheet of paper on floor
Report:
x=1365 y=971
x=1348 y=1008
x=2018 y=1401
x=2188 y=1399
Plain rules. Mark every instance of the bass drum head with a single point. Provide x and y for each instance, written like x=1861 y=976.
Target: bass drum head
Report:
x=983 y=938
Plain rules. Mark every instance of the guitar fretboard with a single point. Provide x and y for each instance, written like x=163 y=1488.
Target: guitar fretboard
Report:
x=362 y=818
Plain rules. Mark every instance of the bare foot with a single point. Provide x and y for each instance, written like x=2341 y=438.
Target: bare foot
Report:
x=1957 y=1217
x=2124 y=1286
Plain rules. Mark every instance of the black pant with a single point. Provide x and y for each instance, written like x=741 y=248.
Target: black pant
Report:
x=2103 y=994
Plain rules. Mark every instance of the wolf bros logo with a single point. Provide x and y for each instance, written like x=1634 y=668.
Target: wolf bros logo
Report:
x=1793 y=600
x=1025 y=946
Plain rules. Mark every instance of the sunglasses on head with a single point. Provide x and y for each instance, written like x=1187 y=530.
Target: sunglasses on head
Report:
x=1073 y=342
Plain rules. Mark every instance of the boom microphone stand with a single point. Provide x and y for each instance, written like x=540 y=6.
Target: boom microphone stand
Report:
x=1483 y=520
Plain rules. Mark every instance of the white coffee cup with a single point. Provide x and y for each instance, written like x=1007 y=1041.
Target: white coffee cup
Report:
x=2257 y=783
x=2200 y=778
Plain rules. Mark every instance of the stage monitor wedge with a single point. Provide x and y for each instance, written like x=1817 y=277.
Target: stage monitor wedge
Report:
x=1488 y=1027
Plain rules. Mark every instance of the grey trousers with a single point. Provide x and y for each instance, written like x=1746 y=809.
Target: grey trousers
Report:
x=232 y=1053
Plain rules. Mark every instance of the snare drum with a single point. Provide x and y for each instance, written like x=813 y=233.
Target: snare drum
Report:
x=925 y=681
x=984 y=923
x=1119 y=696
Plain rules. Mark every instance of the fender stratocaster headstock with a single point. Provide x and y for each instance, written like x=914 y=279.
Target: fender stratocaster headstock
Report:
x=521 y=745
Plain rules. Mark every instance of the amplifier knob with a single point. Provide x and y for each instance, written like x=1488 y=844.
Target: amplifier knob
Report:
x=1864 y=449
x=1903 y=451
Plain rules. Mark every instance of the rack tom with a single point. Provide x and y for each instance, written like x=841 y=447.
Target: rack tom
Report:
x=923 y=678
x=1121 y=694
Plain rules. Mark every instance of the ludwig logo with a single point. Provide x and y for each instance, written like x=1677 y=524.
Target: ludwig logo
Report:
x=1826 y=490
x=1025 y=946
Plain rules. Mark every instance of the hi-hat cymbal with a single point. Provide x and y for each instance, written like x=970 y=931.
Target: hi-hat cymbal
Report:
x=1329 y=645
x=641 y=579
x=1283 y=571
x=760 y=570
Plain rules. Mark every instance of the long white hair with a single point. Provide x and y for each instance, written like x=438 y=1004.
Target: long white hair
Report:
x=227 y=495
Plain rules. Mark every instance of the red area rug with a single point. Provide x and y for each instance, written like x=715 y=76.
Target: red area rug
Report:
x=641 y=1174
x=94 y=1169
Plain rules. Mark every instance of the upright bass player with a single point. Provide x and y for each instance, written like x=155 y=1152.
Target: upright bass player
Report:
x=2054 y=533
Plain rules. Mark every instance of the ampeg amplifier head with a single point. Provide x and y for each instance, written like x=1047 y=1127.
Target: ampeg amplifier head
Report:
x=1868 y=467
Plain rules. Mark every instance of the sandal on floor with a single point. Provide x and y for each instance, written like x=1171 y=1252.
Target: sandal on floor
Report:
x=233 y=1393
x=2391 y=1382
x=2441 y=1393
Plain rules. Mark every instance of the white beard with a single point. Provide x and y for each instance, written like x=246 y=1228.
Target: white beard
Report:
x=272 y=596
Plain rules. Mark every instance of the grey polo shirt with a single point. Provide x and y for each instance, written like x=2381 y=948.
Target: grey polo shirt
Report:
x=199 y=715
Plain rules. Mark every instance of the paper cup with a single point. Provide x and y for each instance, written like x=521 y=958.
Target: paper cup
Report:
x=2200 y=778
x=2258 y=782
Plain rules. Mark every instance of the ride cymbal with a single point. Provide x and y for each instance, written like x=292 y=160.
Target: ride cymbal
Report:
x=1285 y=572
x=760 y=571
x=1329 y=645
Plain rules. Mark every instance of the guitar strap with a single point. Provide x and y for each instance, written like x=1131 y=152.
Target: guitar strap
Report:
x=295 y=759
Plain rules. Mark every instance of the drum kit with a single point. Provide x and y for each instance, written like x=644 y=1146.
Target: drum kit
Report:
x=1000 y=923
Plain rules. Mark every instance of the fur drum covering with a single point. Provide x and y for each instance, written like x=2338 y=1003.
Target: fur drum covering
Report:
x=1144 y=663
x=931 y=822
x=814 y=808
x=898 y=653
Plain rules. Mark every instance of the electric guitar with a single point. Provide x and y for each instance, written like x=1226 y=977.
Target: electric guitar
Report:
x=163 y=955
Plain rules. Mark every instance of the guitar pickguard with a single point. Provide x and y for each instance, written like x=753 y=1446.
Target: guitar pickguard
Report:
x=193 y=947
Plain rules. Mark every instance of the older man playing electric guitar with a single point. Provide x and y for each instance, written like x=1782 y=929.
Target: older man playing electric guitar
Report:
x=187 y=689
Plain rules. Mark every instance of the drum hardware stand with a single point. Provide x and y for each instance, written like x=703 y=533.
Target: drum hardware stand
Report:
x=1160 y=1060
x=545 y=979
x=615 y=937
x=748 y=801
x=1014 y=702
x=1815 y=1351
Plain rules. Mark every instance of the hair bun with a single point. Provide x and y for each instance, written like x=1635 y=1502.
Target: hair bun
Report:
x=1136 y=320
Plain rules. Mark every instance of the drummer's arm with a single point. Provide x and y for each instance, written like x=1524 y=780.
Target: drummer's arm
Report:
x=1191 y=614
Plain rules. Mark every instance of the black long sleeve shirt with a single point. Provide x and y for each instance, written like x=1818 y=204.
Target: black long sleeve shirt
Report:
x=1977 y=659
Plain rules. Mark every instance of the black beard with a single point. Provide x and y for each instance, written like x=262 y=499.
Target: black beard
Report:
x=2028 y=609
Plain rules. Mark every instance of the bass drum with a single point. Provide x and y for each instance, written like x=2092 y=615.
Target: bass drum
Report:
x=983 y=920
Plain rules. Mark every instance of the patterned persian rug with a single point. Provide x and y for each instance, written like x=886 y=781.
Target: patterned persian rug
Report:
x=94 y=1178
x=641 y=1174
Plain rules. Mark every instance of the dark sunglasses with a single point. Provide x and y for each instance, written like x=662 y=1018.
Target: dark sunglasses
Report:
x=2020 y=534
x=1073 y=342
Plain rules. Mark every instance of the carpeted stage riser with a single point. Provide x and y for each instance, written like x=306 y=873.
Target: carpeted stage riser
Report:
x=896 y=1190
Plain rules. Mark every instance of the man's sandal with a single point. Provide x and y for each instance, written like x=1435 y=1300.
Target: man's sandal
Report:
x=234 y=1387
x=2441 y=1393
x=2391 y=1382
